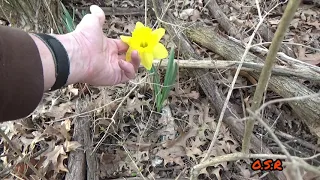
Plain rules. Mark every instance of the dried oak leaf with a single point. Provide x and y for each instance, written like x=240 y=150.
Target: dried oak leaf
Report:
x=52 y=156
x=172 y=155
x=182 y=139
x=58 y=112
x=60 y=164
x=313 y=59
x=71 y=145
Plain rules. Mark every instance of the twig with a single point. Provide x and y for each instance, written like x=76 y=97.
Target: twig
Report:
x=287 y=99
x=231 y=90
x=114 y=114
x=135 y=164
x=247 y=66
x=275 y=138
x=145 y=12
x=266 y=71
x=296 y=171
x=290 y=43
x=240 y=156
x=118 y=11
x=298 y=140
x=6 y=170
x=87 y=112
x=21 y=155
x=290 y=60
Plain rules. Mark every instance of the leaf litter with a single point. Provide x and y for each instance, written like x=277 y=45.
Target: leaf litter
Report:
x=163 y=145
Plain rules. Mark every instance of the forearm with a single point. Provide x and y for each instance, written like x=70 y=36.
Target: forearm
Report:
x=75 y=56
x=21 y=75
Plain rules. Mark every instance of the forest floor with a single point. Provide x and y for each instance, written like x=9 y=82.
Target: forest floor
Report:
x=130 y=139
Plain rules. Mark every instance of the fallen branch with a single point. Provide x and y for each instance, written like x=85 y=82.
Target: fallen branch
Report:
x=298 y=141
x=267 y=69
x=82 y=164
x=207 y=82
x=231 y=29
x=116 y=11
x=291 y=62
x=302 y=72
x=308 y=110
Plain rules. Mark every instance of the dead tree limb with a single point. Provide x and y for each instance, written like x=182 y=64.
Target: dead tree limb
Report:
x=308 y=110
x=116 y=11
x=298 y=71
x=82 y=164
x=267 y=72
x=207 y=82
x=231 y=29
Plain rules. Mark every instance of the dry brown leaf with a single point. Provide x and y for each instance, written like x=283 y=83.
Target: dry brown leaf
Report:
x=111 y=163
x=313 y=59
x=294 y=23
x=32 y=142
x=205 y=172
x=52 y=131
x=141 y=156
x=66 y=124
x=53 y=156
x=310 y=176
x=58 y=112
x=72 y=90
x=274 y=21
x=216 y=172
x=182 y=139
x=65 y=128
x=71 y=145
x=315 y=24
x=172 y=155
x=22 y=169
x=192 y=151
x=9 y=128
x=192 y=95
x=193 y=14
x=134 y=104
x=245 y=172
x=60 y=165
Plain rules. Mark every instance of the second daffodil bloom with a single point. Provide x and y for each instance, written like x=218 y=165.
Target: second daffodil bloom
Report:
x=147 y=43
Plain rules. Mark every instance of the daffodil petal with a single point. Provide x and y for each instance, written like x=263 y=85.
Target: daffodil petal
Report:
x=160 y=52
x=125 y=39
x=146 y=60
x=139 y=25
x=128 y=54
x=159 y=33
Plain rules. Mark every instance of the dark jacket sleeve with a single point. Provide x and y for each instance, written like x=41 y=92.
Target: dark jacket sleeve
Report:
x=21 y=74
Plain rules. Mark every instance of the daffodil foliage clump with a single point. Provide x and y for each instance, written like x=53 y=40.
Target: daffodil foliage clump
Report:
x=147 y=42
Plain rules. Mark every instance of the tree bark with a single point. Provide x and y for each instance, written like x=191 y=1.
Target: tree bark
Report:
x=83 y=164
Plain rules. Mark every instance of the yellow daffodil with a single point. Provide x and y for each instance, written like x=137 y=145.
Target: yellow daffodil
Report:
x=146 y=42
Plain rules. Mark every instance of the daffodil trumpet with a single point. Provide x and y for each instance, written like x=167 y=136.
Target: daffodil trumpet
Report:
x=147 y=42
